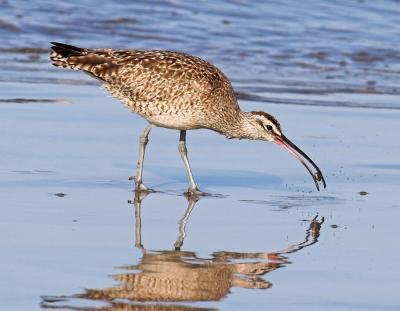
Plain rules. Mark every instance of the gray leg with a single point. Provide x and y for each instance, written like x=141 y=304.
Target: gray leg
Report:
x=144 y=139
x=183 y=151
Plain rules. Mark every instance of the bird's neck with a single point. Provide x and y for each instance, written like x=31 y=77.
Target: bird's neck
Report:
x=241 y=128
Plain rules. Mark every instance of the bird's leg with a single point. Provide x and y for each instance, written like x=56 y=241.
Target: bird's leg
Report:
x=193 y=190
x=144 y=139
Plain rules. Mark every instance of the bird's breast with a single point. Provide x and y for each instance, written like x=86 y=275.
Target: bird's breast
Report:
x=176 y=121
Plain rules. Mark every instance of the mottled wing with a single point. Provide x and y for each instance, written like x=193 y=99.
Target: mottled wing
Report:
x=168 y=88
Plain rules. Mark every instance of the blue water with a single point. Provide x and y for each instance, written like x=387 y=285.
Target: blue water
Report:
x=321 y=52
x=73 y=234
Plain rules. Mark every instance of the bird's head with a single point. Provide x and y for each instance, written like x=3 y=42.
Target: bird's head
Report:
x=266 y=127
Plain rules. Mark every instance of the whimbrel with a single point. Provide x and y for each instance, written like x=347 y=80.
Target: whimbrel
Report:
x=177 y=91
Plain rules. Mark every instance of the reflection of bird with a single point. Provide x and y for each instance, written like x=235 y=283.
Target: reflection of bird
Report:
x=178 y=91
x=47 y=303
x=181 y=276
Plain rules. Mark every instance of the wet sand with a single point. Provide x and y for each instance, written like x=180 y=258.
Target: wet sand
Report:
x=59 y=245
x=74 y=237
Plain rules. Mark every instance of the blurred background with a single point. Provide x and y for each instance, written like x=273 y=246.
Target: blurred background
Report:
x=300 y=52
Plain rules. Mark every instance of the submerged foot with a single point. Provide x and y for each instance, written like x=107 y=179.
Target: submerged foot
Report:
x=139 y=186
x=195 y=192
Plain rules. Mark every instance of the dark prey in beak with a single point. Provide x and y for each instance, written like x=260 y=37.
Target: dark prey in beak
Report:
x=285 y=143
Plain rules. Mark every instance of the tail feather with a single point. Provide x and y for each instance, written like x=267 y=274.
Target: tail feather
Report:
x=73 y=57
x=62 y=53
x=67 y=46
x=66 y=50
x=100 y=63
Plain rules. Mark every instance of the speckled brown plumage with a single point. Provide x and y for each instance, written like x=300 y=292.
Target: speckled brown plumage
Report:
x=178 y=91
x=169 y=89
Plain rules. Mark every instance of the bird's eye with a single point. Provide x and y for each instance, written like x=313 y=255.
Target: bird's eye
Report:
x=269 y=127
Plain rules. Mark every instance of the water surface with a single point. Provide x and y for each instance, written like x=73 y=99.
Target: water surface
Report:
x=74 y=237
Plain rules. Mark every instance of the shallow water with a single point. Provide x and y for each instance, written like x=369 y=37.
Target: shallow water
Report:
x=74 y=237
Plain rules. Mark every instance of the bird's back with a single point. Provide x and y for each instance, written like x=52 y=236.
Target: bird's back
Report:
x=170 y=89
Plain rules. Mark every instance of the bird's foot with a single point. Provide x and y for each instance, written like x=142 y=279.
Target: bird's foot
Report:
x=139 y=186
x=194 y=193
x=139 y=197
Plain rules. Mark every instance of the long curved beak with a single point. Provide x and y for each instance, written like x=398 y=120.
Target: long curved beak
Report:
x=295 y=151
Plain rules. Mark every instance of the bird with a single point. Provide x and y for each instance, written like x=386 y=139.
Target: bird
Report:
x=178 y=91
